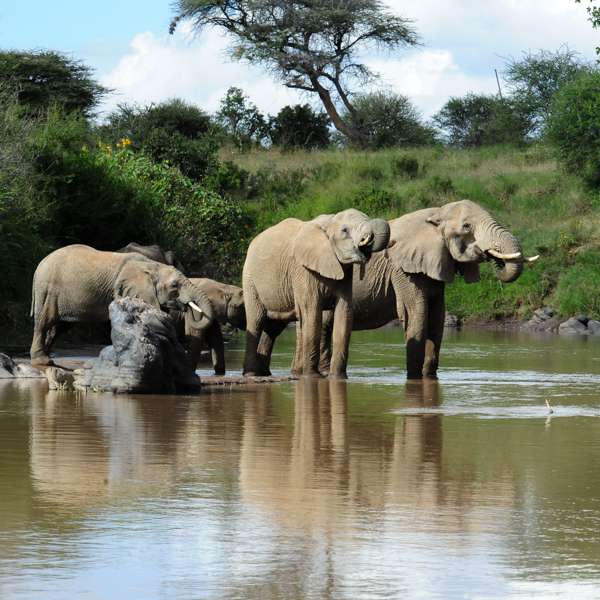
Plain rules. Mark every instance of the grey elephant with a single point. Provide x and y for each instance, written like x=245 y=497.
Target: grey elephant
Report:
x=76 y=284
x=295 y=270
x=165 y=257
x=427 y=248
x=228 y=308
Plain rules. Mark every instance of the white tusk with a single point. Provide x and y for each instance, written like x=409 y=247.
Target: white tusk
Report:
x=505 y=256
x=196 y=307
x=367 y=241
x=532 y=258
x=390 y=245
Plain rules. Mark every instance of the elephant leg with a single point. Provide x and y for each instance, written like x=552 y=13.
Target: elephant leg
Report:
x=256 y=317
x=271 y=332
x=297 y=365
x=342 y=329
x=414 y=305
x=435 y=332
x=195 y=340
x=214 y=338
x=43 y=338
x=325 y=359
x=311 y=322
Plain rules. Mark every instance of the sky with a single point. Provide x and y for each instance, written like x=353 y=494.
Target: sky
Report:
x=128 y=45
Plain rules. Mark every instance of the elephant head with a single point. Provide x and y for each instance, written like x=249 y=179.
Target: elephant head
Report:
x=456 y=236
x=350 y=237
x=163 y=286
x=165 y=257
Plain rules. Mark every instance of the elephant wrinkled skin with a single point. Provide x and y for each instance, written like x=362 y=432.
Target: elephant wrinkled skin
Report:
x=76 y=284
x=427 y=248
x=296 y=269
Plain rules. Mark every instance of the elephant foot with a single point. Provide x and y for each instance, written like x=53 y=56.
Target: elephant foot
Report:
x=257 y=374
x=414 y=376
x=42 y=361
x=430 y=376
x=312 y=375
x=219 y=373
x=337 y=376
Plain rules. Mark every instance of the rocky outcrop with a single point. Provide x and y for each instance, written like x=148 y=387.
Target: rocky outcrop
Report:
x=9 y=369
x=542 y=320
x=451 y=320
x=580 y=325
x=145 y=356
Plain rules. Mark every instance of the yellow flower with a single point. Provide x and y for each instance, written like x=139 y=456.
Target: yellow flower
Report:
x=241 y=239
x=118 y=144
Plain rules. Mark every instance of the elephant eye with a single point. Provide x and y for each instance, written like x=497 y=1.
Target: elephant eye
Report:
x=467 y=226
x=344 y=230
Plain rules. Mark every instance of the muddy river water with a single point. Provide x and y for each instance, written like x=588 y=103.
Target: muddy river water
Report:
x=371 y=488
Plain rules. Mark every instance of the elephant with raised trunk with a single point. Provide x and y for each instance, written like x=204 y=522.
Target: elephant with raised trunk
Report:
x=76 y=284
x=427 y=248
x=295 y=270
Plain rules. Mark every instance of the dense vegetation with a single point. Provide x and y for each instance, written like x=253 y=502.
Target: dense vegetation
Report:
x=204 y=185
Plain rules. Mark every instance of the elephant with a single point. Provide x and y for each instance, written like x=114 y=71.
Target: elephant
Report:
x=165 y=257
x=77 y=283
x=228 y=307
x=407 y=281
x=296 y=269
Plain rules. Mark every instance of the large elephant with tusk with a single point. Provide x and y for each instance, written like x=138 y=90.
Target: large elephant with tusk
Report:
x=295 y=270
x=76 y=284
x=427 y=248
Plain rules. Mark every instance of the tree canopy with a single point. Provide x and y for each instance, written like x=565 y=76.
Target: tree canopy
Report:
x=310 y=45
x=45 y=77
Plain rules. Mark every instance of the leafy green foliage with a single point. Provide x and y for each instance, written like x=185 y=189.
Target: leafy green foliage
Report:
x=299 y=127
x=478 y=120
x=578 y=291
x=533 y=80
x=244 y=123
x=574 y=126
x=45 y=77
x=392 y=121
x=173 y=131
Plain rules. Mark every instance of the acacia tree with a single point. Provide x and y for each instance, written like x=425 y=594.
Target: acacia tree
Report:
x=310 y=45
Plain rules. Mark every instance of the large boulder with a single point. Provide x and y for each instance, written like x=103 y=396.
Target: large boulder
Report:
x=572 y=325
x=145 y=357
x=9 y=369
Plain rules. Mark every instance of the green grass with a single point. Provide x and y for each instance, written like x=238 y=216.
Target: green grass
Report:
x=550 y=212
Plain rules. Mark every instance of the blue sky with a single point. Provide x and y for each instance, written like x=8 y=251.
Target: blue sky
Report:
x=127 y=42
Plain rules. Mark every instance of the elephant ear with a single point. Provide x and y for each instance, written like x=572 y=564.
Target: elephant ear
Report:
x=313 y=250
x=137 y=280
x=419 y=246
x=469 y=271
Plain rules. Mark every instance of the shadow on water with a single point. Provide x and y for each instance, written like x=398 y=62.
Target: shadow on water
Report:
x=372 y=488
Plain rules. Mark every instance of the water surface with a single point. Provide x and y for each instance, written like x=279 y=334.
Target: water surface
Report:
x=371 y=488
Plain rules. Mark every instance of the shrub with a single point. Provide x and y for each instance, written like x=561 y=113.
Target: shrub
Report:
x=574 y=128
x=578 y=291
x=299 y=127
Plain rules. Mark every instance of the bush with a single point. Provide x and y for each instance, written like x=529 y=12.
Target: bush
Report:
x=578 y=291
x=478 y=120
x=574 y=128
x=299 y=127
x=391 y=120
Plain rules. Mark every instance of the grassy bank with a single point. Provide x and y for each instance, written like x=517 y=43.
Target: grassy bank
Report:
x=551 y=213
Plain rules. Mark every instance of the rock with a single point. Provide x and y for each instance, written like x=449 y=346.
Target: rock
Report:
x=593 y=327
x=59 y=379
x=549 y=311
x=583 y=319
x=450 y=320
x=145 y=356
x=539 y=316
x=9 y=369
x=572 y=326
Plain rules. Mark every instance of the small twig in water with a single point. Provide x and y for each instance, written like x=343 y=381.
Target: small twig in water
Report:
x=549 y=407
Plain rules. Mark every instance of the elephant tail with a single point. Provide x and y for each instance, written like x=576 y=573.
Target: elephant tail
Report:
x=32 y=298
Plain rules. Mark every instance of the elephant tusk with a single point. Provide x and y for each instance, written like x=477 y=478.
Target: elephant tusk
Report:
x=196 y=307
x=393 y=243
x=504 y=256
x=532 y=258
x=367 y=240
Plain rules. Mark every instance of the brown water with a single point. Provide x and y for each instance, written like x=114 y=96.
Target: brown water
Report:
x=371 y=488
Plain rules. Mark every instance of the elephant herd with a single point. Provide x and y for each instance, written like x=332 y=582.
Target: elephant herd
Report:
x=334 y=274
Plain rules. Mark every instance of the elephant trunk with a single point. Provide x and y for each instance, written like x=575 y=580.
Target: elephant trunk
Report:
x=381 y=234
x=504 y=242
x=195 y=299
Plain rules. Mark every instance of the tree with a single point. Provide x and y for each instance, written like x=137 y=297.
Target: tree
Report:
x=480 y=120
x=299 y=127
x=594 y=17
x=173 y=131
x=392 y=120
x=45 y=77
x=574 y=128
x=310 y=45
x=533 y=80
x=241 y=119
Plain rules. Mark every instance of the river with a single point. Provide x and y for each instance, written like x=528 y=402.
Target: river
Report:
x=369 y=488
